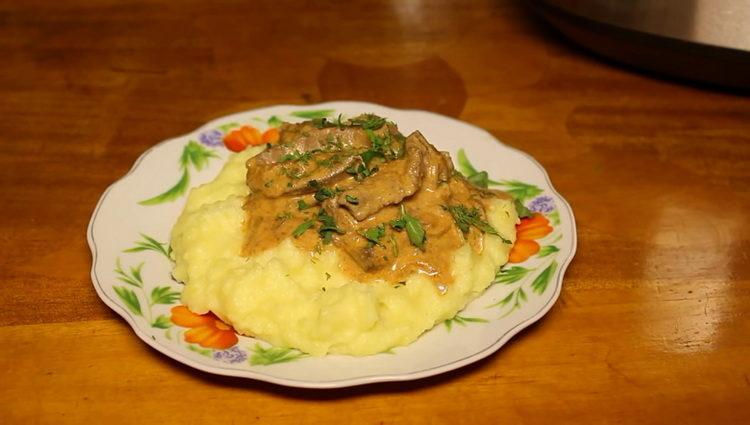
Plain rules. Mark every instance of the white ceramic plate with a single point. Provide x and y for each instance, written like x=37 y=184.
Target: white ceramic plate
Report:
x=129 y=230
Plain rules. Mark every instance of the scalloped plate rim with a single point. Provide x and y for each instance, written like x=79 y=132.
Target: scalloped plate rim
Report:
x=347 y=382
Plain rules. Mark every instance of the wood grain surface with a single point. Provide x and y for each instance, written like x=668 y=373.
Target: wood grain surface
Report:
x=653 y=324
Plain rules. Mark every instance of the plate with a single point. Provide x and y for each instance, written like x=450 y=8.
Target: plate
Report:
x=131 y=272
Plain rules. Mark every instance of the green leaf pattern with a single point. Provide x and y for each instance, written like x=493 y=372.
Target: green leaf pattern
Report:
x=164 y=295
x=161 y=322
x=312 y=114
x=510 y=275
x=147 y=243
x=512 y=302
x=462 y=320
x=192 y=154
x=275 y=121
x=540 y=282
x=172 y=193
x=273 y=355
x=196 y=155
x=224 y=128
x=141 y=303
x=547 y=250
x=131 y=276
x=520 y=190
x=554 y=218
x=129 y=298
x=525 y=279
x=202 y=351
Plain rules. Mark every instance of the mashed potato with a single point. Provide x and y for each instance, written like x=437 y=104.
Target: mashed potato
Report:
x=291 y=298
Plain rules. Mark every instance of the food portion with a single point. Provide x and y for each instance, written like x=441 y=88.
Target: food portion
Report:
x=392 y=204
x=344 y=237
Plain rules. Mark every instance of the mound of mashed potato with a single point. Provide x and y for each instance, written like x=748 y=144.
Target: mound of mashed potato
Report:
x=291 y=297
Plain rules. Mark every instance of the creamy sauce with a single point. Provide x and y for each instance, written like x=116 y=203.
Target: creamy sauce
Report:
x=320 y=175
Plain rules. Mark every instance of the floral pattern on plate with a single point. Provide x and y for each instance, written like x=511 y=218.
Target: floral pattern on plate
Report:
x=138 y=284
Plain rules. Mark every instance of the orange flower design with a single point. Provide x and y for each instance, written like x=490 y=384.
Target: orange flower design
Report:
x=206 y=330
x=535 y=227
x=247 y=135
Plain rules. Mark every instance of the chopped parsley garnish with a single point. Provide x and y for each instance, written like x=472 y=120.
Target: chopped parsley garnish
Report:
x=303 y=157
x=368 y=155
x=368 y=121
x=327 y=162
x=352 y=199
x=325 y=123
x=333 y=144
x=466 y=217
x=282 y=217
x=302 y=205
x=327 y=226
x=378 y=142
x=374 y=234
x=302 y=228
x=383 y=146
x=322 y=193
x=326 y=230
x=322 y=123
x=413 y=226
x=292 y=173
x=360 y=171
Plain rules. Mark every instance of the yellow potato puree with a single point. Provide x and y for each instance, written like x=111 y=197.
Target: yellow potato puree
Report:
x=304 y=300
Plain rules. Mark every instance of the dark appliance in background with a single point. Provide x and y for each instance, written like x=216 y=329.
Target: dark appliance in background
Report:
x=701 y=40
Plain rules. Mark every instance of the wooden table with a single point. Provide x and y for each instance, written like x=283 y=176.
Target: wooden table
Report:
x=652 y=325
